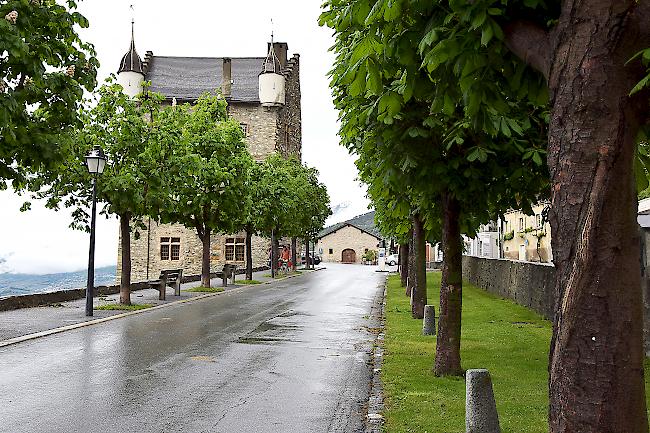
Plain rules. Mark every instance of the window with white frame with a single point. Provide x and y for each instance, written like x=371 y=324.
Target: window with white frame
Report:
x=521 y=224
x=244 y=128
x=170 y=248
x=235 y=249
x=538 y=220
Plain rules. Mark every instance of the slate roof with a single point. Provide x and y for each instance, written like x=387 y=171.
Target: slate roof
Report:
x=186 y=78
x=131 y=61
x=365 y=222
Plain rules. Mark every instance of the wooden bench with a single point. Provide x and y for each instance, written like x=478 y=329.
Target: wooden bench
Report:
x=168 y=278
x=228 y=271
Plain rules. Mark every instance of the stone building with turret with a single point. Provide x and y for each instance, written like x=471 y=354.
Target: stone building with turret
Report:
x=263 y=94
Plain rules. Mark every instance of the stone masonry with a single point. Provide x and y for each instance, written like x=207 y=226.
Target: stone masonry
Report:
x=269 y=130
x=347 y=237
x=146 y=261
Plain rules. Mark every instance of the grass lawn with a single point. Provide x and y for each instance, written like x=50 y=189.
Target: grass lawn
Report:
x=247 y=282
x=131 y=307
x=205 y=289
x=507 y=339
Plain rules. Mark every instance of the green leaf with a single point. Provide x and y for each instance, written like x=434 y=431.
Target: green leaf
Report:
x=486 y=35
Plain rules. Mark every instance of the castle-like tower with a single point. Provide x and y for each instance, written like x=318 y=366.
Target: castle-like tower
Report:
x=263 y=94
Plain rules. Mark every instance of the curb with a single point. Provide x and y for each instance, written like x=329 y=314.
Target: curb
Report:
x=374 y=417
x=40 y=334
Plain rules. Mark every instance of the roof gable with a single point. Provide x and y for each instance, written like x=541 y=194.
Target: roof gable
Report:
x=364 y=222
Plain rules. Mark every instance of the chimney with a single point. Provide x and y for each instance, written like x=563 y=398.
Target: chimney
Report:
x=281 y=52
x=226 y=81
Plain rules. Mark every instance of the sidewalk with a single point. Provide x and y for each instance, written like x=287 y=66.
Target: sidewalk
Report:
x=24 y=321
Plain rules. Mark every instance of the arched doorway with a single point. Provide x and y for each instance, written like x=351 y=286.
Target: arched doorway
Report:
x=348 y=256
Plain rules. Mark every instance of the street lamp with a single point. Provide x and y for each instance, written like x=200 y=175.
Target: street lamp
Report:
x=95 y=162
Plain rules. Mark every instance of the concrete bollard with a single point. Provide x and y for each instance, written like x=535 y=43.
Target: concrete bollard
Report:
x=429 y=321
x=480 y=408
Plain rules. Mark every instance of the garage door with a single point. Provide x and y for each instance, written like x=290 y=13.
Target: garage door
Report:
x=348 y=256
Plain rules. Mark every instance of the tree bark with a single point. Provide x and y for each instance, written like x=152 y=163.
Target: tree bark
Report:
x=294 y=245
x=205 y=260
x=249 y=254
x=447 y=361
x=596 y=357
x=419 y=269
x=410 y=268
x=125 y=274
x=275 y=246
x=307 y=264
x=403 y=262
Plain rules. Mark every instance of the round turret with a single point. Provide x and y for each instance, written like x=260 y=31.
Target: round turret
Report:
x=131 y=72
x=271 y=81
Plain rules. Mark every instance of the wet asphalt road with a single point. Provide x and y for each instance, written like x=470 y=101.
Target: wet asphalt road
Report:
x=285 y=357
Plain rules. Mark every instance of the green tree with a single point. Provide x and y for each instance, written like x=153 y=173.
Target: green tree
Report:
x=134 y=140
x=211 y=168
x=44 y=70
x=313 y=206
x=580 y=53
x=420 y=131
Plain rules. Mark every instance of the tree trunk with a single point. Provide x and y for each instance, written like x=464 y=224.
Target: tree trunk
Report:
x=307 y=264
x=451 y=292
x=403 y=262
x=410 y=268
x=596 y=356
x=205 y=260
x=249 y=254
x=275 y=246
x=294 y=244
x=125 y=274
x=419 y=269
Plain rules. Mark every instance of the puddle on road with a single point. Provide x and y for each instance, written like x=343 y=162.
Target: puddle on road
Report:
x=263 y=340
x=271 y=333
x=292 y=313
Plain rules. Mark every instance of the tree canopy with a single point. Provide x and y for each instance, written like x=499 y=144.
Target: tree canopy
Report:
x=210 y=165
x=44 y=70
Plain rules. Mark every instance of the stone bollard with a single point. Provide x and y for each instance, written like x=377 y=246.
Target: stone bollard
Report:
x=480 y=408
x=429 y=322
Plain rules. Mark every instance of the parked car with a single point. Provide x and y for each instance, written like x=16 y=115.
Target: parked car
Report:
x=392 y=259
x=315 y=259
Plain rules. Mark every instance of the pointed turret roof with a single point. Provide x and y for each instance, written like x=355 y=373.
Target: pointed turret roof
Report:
x=131 y=62
x=271 y=64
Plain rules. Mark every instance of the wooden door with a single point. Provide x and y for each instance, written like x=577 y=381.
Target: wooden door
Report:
x=348 y=256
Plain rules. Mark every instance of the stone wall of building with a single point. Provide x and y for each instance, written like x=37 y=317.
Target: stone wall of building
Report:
x=261 y=123
x=347 y=237
x=146 y=262
x=289 y=127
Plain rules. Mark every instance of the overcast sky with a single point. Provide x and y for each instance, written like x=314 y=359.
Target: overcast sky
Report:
x=40 y=241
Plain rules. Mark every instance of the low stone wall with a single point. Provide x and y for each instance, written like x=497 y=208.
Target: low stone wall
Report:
x=42 y=299
x=434 y=265
x=528 y=284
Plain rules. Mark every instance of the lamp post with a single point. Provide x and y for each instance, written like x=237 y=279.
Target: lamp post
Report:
x=95 y=162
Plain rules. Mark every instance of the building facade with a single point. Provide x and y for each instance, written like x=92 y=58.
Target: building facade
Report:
x=527 y=237
x=347 y=244
x=263 y=94
x=485 y=243
x=348 y=241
